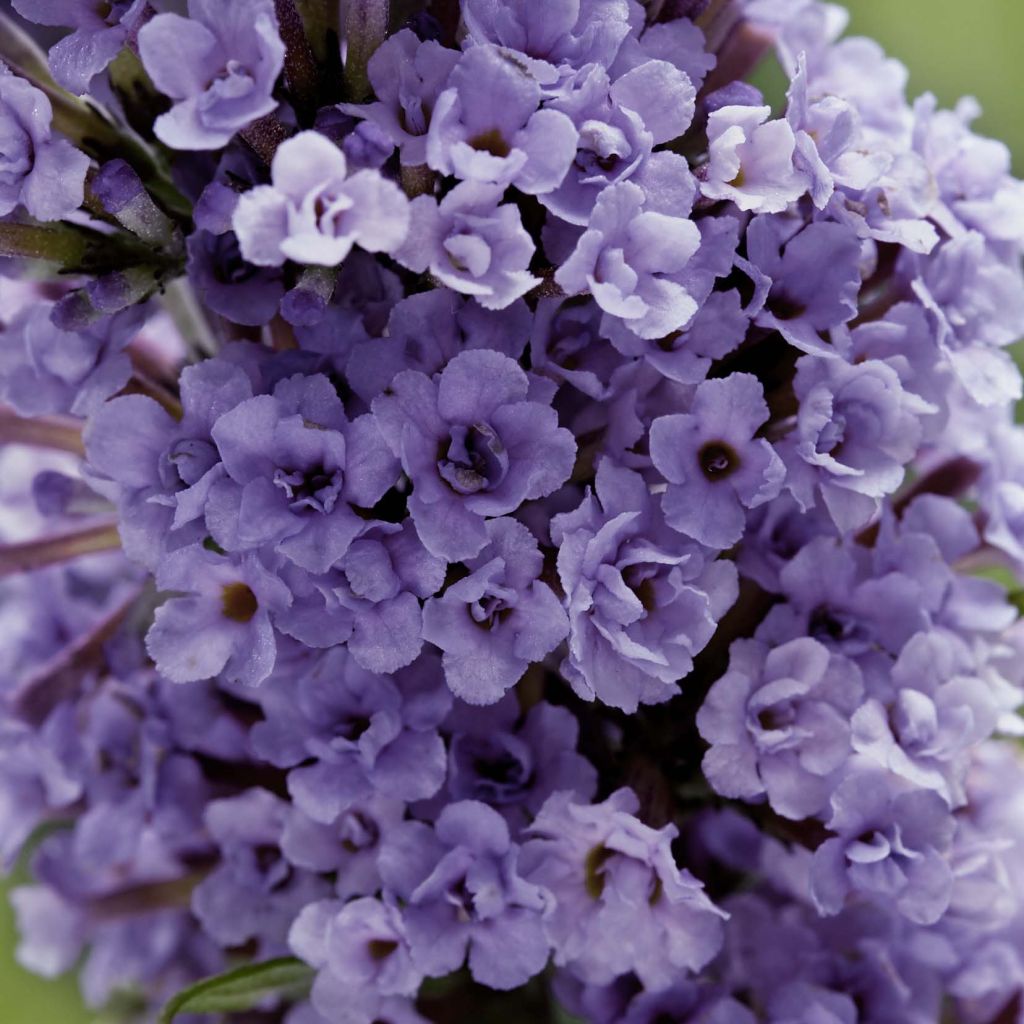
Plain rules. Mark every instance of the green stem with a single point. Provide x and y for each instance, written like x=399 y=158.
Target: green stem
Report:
x=63 y=245
x=365 y=29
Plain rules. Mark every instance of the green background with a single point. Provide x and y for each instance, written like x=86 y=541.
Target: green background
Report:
x=952 y=48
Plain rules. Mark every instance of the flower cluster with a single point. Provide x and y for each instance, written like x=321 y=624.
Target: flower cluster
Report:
x=501 y=517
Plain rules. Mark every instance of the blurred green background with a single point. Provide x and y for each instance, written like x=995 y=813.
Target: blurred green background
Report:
x=952 y=48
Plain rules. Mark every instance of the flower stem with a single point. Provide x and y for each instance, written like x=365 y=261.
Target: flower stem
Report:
x=29 y=555
x=55 y=432
x=365 y=29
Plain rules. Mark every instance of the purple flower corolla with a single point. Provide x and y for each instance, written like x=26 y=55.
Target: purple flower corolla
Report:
x=159 y=470
x=44 y=174
x=976 y=305
x=314 y=211
x=496 y=621
x=751 y=160
x=856 y=428
x=715 y=466
x=889 y=845
x=464 y=896
x=621 y=902
x=347 y=735
x=44 y=369
x=939 y=708
x=370 y=601
x=619 y=124
x=253 y=894
x=101 y=31
x=348 y=847
x=222 y=624
x=362 y=956
x=567 y=32
x=474 y=446
x=407 y=76
x=514 y=763
x=814 y=277
x=293 y=468
x=228 y=284
x=471 y=244
x=630 y=259
x=426 y=330
x=642 y=601
x=487 y=126
x=219 y=65
x=779 y=724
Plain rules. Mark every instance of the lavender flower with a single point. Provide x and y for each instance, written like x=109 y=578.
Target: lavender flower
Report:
x=473 y=445
x=497 y=620
x=314 y=212
x=44 y=174
x=372 y=466
x=232 y=57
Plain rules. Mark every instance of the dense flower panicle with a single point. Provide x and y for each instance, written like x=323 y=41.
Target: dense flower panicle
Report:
x=423 y=396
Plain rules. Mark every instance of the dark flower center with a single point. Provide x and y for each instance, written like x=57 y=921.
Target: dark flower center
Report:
x=314 y=488
x=593 y=871
x=238 y=603
x=358 y=832
x=491 y=142
x=381 y=949
x=718 y=460
x=474 y=459
x=228 y=265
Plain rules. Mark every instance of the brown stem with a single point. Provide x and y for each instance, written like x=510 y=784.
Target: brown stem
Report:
x=61 y=433
x=29 y=555
x=300 y=69
x=59 y=678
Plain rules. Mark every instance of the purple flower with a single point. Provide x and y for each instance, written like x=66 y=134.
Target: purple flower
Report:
x=222 y=624
x=642 y=601
x=43 y=174
x=714 y=465
x=474 y=447
x=407 y=76
x=814 y=278
x=937 y=710
x=471 y=244
x=889 y=845
x=630 y=259
x=219 y=66
x=347 y=735
x=294 y=467
x=371 y=600
x=856 y=428
x=228 y=284
x=101 y=31
x=159 y=470
x=44 y=369
x=253 y=894
x=463 y=895
x=977 y=308
x=349 y=846
x=779 y=724
x=621 y=902
x=486 y=126
x=314 y=212
x=619 y=124
x=570 y=32
x=751 y=160
x=362 y=955
x=515 y=763
x=496 y=621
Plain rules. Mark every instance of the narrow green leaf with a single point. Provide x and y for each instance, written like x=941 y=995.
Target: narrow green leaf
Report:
x=241 y=989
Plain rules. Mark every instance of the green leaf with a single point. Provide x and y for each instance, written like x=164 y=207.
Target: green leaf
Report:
x=242 y=988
